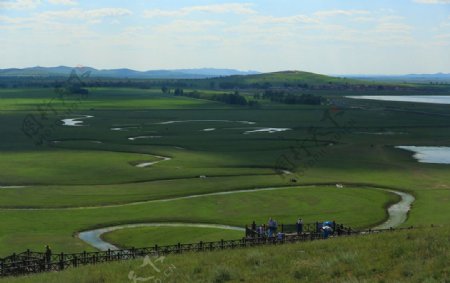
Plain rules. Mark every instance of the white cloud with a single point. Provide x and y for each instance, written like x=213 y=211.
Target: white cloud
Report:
x=184 y=26
x=391 y=27
x=432 y=1
x=19 y=4
x=93 y=15
x=332 y=13
x=10 y=20
x=281 y=20
x=63 y=2
x=235 y=8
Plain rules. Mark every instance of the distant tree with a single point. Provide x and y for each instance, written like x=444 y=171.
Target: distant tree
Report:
x=178 y=91
x=253 y=104
x=165 y=89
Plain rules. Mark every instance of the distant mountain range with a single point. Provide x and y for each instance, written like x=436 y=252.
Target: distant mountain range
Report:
x=125 y=73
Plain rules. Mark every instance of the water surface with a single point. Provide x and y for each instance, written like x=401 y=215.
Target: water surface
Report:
x=144 y=137
x=75 y=122
x=435 y=99
x=195 y=121
x=268 y=130
x=430 y=154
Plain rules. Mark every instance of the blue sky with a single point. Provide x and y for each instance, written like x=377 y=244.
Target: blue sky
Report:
x=323 y=36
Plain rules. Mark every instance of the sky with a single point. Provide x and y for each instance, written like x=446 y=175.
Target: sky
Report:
x=322 y=36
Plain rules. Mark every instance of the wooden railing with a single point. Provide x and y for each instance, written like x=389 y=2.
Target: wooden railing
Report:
x=30 y=262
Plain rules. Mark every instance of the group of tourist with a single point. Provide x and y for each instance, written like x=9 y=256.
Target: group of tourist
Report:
x=271 y=228
x=263 y=230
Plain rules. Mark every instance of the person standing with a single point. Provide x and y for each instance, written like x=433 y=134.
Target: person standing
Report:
x=270 y=226
x=48 y=257
x=48 y=253
x=260 y=231
x=299 y=226
x=254 y=229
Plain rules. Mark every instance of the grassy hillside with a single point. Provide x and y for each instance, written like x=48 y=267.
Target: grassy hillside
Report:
x=295 y=77
x=276 y=79
x=420 y=255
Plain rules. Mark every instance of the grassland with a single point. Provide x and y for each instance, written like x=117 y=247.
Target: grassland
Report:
x=61 y=178
x=420 y=255
x=139 y=237
x=58 y=226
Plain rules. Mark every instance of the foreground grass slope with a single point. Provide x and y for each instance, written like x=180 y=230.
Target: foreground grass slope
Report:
x=419 y=255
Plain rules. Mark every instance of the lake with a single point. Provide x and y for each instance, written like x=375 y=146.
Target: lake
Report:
x=430 y=154
x=435 y=99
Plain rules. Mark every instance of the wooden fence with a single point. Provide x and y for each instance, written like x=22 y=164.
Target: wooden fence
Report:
x=30 y=262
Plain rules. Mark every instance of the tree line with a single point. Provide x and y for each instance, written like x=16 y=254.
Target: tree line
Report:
x=291 y=98
x=229 y=98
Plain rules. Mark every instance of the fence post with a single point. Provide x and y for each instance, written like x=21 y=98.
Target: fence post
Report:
x=84 y=257
x=200 y=246
x=75 y=261
x=179 y=248
x=61 y=261
x=156 y=250
x=221 y=244
x=282 y=228
x=108 y=255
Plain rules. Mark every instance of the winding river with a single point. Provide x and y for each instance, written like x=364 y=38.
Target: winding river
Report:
x=75 y=122
x=147 y=164
x=397 y=212
x=93 y=237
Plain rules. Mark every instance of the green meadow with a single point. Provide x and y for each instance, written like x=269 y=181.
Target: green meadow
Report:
x=85 y=177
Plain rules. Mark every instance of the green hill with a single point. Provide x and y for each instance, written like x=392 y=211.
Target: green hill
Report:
x=279 y=79
x=295 y=77
x=419 y=255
